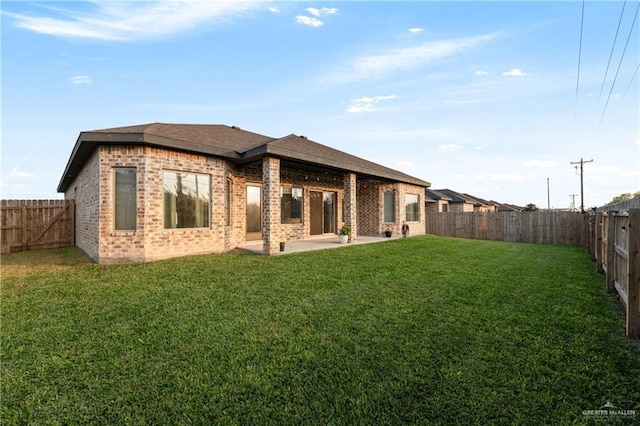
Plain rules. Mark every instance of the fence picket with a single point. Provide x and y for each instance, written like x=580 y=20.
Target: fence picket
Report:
x=611 y=236
x=528 y=227
x=33 y=224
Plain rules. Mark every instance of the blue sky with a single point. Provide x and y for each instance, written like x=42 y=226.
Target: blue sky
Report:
x=481 y=97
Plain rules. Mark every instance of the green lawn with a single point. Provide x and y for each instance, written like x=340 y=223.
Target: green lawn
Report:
x=424 y=330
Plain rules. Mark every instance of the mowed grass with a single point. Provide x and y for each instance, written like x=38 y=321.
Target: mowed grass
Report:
x=423 y=330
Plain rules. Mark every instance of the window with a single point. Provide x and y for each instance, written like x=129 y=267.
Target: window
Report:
x=125 y=199
x=227 y=200
x=413 y=208
x=291 y=205
x=389 y=206
x=186 y=200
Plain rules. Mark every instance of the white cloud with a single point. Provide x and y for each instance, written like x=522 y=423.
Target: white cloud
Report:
x=481 y=72
x=539 y=163
x=366 y=103
x=405 y=58
x=464 y=103
x=415 y=30
x=131 y=21
x=509 y=177
x=274 y=9
x=324 y=11
x=313 y=20
x=81 y=79
x=514 y=72
x=449 y=147
x=307 y=20
x=605 y=171
x=405 y=163
x=15 y=173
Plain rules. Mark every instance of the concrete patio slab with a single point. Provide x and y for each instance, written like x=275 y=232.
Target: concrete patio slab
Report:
x=310 y=244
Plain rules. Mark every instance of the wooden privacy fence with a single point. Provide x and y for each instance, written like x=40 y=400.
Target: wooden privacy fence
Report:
x=611 y=235
x=548 y=227
x=36 y=224
x=614 y=244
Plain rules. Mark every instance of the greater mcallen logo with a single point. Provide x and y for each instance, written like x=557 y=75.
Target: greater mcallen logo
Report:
x=609 y=410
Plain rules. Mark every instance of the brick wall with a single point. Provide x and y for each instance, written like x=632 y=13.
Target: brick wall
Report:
x=371 y=207
x=368 y=206
x=437 y=206
x=86 y=191
x=416 y=227
x=93 y=191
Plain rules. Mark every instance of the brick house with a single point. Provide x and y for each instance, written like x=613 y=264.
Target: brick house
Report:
x=457 y=202
x=435 y=202
x=159 y=190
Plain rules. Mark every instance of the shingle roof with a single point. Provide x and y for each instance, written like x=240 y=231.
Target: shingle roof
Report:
x=232 y=143
x=479 y=200
x=456 y=197
x=435 y=195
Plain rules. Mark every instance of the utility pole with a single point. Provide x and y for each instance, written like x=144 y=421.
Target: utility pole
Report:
x=581 y=162
x=573 y=201
x=548 y=197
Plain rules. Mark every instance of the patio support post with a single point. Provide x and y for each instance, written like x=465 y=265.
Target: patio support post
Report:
x=271 y=236
x=350 y=206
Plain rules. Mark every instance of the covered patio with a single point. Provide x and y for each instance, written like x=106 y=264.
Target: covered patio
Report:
x=310 y=244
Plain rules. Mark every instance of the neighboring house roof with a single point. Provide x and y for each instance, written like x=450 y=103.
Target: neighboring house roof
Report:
x=434 y=195
x=481 y=201
x=502 y=207
x=232 y=143
x=456 y=197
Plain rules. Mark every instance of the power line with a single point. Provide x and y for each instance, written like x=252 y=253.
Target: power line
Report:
x=604 y=110
x=611 y=54
x=632 y=78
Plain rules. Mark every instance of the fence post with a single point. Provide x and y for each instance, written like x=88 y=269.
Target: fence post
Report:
x=23 y=218
x=611 y=225
x=592 y=236
x=598 y=242
x=633 y=283
x=72 y=227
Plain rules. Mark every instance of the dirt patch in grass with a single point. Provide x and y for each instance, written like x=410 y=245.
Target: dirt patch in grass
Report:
x=37 y=261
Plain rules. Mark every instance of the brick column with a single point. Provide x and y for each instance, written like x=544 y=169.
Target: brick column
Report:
x=271 y=205
x=350 y=205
